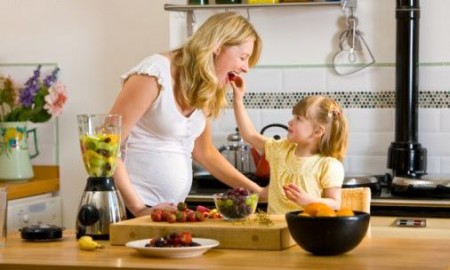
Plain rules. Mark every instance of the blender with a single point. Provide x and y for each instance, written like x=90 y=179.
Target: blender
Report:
x=101 y=203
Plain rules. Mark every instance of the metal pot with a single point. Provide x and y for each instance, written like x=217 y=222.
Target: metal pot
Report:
x=370 y=181
x=237 y=152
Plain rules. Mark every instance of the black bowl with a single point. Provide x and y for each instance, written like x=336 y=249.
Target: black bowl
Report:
x=328 y=235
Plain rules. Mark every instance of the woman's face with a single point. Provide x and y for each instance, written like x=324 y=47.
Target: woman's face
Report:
x=233 y=59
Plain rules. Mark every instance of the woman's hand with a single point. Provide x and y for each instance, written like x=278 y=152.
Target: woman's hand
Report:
x=263 y=193
x=146 y=211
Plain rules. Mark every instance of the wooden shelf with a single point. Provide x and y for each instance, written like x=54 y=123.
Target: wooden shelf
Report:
x=174 y=7
x=46 y=179
x=189 y=9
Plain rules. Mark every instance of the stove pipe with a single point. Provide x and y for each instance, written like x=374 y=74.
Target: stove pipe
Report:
x=406 y=157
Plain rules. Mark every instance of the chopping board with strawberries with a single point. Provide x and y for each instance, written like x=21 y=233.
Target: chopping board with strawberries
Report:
x=247 y=234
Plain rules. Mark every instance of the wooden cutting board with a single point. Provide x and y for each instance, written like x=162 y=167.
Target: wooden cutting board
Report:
x=231 y=235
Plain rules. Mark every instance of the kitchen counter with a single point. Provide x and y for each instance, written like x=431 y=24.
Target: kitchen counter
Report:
x=388 y=247
x=45 y=180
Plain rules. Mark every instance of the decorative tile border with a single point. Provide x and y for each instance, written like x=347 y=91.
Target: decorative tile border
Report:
x=357 y=99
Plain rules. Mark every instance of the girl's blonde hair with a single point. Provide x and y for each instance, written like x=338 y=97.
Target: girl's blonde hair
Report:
x=195 y=59
x=326 y=112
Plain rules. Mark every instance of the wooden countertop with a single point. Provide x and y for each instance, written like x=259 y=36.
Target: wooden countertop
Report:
x=46 y=179
x=383 y=250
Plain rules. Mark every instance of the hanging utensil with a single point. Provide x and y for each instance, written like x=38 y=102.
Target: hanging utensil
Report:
x=353 y=49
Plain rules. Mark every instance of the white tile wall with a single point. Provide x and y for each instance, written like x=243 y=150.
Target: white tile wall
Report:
x=265 y=80
x=299 y=45
x=371 y=130
x=311 y=79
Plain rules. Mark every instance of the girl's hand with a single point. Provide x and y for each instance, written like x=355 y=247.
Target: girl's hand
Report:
x=296 y=195
x=238 y=85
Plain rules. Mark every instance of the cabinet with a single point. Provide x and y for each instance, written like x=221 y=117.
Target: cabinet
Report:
x=34 y=201
x=46 y=179
x=189 y=9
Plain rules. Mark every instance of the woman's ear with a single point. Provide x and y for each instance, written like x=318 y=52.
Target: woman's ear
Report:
x=217 y=51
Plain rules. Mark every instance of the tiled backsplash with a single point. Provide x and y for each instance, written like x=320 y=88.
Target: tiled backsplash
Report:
x=272 y=91
x=299 y=45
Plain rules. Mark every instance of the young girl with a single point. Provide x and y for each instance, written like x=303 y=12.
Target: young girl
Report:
x=306 y=166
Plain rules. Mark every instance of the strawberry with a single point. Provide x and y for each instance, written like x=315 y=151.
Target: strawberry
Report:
x=181 y=216
x=214 y=214
x=199 y=216
x=231 y=76
x=182 y=206
x=164 y=215
x=202 y=209
x=186 y=238
x=156 y=216
x=191 y=216
x=171 y=218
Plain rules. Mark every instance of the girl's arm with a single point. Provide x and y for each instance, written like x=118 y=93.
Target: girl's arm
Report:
x=331 y=196
x=245 y=125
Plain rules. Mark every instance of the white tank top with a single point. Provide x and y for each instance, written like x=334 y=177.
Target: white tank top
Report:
x=158 y=149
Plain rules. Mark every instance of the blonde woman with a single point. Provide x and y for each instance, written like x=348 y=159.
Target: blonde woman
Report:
x=167 y=102
x=306 y=166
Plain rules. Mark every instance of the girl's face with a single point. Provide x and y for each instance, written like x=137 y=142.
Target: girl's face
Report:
x=233 y=59
x=302 y=131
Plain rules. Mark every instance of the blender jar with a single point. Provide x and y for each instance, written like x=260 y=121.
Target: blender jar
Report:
x=99 y=137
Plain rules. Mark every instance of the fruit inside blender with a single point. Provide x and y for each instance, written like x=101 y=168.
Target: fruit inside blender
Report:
x=100 y=152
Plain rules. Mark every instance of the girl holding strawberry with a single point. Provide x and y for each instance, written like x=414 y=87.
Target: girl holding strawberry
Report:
x=306 y=166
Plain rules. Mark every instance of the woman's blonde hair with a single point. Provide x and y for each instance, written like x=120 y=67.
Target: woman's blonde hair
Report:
x=327 y=113
x=195 y=59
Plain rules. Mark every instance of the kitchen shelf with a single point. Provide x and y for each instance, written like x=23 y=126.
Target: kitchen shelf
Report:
x=184 y=8
x=189 y=9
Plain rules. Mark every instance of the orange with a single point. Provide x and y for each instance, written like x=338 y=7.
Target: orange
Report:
x=345 y=212
x=303 y=214
x=326 y=212
x=313 y=208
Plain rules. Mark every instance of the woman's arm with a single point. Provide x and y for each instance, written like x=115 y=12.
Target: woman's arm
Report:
x=210 y=158
x=245 y=125
x=137 y=94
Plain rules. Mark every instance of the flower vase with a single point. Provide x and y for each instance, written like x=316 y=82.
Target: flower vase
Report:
x=15 y=159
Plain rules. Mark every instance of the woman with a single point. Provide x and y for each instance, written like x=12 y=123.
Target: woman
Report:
x=167 y=103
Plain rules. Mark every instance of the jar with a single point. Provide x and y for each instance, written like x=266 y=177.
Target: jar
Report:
x=228 y=1
x=198 y=2
x=256 y=2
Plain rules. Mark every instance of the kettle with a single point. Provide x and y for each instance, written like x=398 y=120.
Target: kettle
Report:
x=237 y=152
x=262 y=166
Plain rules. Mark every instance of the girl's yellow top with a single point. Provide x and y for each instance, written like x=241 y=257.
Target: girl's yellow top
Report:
x=312 y=174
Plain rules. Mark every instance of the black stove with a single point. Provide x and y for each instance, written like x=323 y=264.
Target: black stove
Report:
x=412 y=201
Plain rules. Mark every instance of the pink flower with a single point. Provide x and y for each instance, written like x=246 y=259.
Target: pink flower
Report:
x=56 y=99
